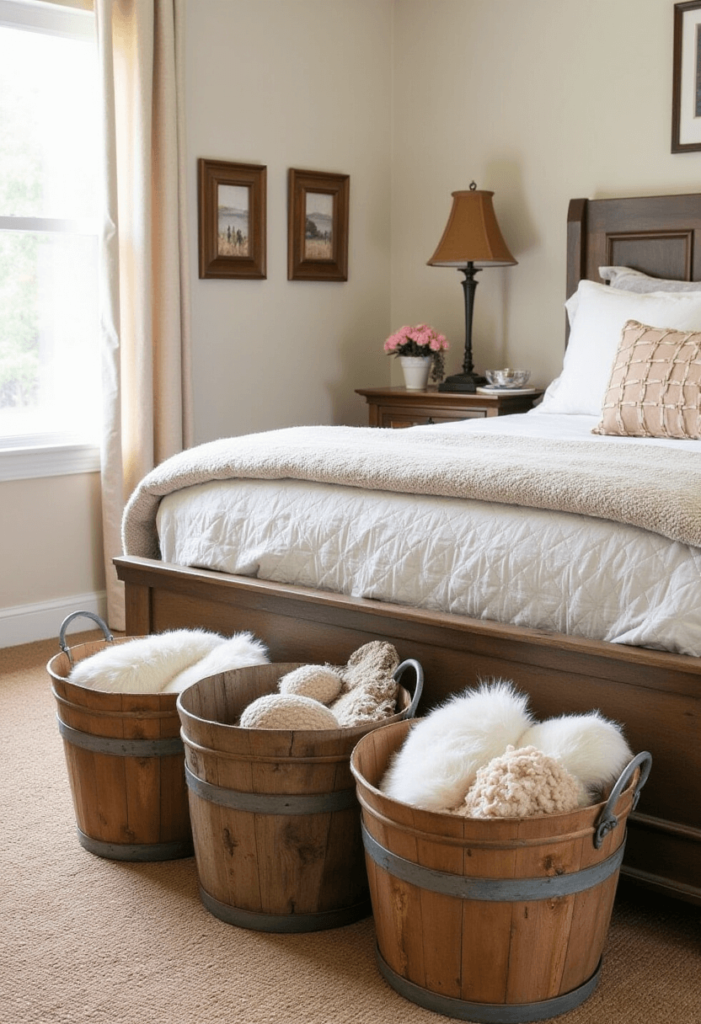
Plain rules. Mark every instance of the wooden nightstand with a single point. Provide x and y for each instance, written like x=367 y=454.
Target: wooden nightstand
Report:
x=397 y=407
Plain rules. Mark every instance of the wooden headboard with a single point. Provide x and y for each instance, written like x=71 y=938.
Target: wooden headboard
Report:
x=659 y=235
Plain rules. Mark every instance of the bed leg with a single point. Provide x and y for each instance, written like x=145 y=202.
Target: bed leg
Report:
x=137 y=610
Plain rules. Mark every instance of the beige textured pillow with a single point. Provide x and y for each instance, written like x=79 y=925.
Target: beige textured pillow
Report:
x=655 y=385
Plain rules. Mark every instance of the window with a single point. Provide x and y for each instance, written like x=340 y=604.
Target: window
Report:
x=50 y=392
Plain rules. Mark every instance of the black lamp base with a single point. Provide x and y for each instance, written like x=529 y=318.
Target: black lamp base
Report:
x=464 y=382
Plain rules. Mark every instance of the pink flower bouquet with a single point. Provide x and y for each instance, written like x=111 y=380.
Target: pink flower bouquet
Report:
x=420 y=340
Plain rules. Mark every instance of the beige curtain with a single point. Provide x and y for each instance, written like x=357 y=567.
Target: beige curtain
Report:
x=144 y=285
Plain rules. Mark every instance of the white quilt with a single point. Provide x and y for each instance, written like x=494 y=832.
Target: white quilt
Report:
x=531 y=567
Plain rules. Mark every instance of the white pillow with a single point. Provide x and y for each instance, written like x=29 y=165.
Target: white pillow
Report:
x=596 y=333
x=635 y=281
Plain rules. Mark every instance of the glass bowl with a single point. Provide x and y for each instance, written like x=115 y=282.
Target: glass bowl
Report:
x=507 y=378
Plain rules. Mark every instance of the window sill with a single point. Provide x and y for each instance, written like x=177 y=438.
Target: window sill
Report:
x=48 y=460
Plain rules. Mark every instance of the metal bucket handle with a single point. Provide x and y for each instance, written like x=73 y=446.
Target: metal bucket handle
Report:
x=607 y=819
x=74 y=615
x=418 y=685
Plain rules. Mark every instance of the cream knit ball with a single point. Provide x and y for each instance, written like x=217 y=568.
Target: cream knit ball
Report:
x=522 y=782
x=320 y=682
x=287 y=711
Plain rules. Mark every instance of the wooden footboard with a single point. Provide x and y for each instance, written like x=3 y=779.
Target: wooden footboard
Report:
x=656 y=696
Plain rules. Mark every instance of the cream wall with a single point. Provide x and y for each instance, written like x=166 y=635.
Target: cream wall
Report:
x=539 y=101
x=302 y=84
x=50 y=553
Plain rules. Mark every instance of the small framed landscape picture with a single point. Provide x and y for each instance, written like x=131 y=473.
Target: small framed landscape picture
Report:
x=232 y=219
x=686 y=84
x=317 y=238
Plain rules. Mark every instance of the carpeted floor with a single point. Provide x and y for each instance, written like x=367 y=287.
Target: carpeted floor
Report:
x=84 y=939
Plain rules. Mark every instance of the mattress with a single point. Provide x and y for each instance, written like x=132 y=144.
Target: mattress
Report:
x=554 y=571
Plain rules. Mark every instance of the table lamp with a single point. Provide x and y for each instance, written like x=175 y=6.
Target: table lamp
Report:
x=471 y=241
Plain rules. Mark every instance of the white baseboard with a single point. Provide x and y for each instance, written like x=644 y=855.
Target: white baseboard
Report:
x=26 y=623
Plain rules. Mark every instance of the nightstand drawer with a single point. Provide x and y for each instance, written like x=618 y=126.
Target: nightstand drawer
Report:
x=397 y=407
x=397 y=419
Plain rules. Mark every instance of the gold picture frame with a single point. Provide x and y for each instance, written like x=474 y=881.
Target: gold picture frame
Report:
x=317 y=236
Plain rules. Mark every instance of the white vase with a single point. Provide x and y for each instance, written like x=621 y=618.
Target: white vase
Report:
x=416 y=370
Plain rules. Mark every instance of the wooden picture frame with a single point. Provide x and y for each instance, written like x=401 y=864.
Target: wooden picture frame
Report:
x=317 y=236
x=686 y=85
x=232 y=219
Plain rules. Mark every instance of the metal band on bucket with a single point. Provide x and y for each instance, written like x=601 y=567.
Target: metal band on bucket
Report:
x=261 y=922
x=513 y=890
x=136 y=851
x=487 y=1013
x=271 y=803
x=120 y=748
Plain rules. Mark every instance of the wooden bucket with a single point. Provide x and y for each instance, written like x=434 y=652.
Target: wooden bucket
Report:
x=497 y=920
x=275 y=818
x=125 y=763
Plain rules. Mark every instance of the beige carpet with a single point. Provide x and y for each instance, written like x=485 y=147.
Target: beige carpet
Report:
x=89 y=940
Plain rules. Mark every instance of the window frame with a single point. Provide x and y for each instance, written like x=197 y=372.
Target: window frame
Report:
x=43 y=455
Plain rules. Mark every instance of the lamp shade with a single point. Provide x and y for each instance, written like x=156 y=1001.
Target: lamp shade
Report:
x=472 y=234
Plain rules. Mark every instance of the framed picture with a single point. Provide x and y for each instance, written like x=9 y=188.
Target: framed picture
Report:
x=317 y=236
x=686 y=91
x=232 y=216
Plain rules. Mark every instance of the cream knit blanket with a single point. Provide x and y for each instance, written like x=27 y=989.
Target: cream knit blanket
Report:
x=656 y=488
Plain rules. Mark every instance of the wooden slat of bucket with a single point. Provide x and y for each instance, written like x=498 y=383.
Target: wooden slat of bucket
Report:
x=142 y=782
x=230 y=865
x=231 y=862
x=142 y=775
x=537 y=947
x=102 y=810
x=442 y=930
x=84 y=767
x=173 y=802
x=390 y=905
x=540 y=929
x=81 y=772
x=398 y=906
x=291 y=848
x=108 y=818
x=214 y=847
x=291 y=854
x=592 y=908
x=225 y=838
x=344 y=879
x=237 y=832
x=591 y=916
x=485 y=956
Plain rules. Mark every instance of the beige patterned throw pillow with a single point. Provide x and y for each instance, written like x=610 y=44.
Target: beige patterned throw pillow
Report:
x=655 y=385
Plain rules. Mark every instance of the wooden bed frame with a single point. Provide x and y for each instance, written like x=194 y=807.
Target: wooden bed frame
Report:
x=657 y=696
